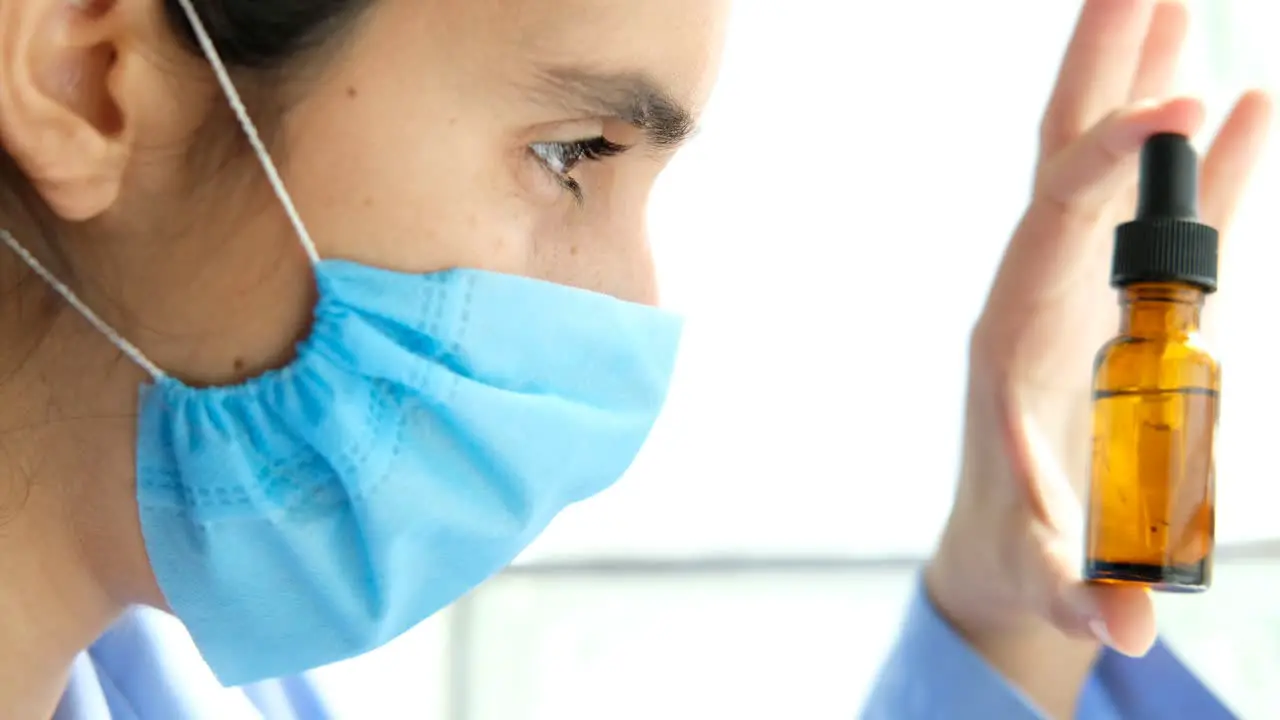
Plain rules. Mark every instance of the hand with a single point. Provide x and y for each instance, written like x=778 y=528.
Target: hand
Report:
x=1006 y=569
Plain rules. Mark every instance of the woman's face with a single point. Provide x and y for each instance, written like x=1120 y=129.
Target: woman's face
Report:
x=444 y=133
x=441 y=133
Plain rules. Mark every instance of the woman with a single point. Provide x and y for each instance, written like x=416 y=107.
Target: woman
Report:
x=1002 y=627
x=338 y=434
x=296 y=506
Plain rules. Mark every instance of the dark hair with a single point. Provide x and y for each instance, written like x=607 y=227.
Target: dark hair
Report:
x=265 y=34
x=271 y=47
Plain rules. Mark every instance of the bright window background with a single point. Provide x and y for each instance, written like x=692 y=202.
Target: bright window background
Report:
x=831 y=236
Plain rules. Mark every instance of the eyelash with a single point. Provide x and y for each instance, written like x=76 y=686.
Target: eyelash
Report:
x=569 y=155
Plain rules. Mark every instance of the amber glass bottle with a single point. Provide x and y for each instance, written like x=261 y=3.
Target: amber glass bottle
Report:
x=1155 y=391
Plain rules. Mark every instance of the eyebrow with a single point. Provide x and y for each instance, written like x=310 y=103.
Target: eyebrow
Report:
x=633 y=98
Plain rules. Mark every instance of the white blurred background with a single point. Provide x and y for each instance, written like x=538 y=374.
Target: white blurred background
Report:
x=831 y=236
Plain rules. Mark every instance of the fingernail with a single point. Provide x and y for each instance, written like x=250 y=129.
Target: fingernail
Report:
x=1146 y=104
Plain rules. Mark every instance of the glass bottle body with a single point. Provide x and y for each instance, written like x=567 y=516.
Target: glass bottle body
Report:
x=1155 y=416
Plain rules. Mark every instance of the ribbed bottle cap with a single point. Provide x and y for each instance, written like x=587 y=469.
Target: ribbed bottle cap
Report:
x=1166 y=242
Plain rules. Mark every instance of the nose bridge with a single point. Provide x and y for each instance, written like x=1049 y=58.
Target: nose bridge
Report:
x=643 y=273
x=649 y=291
x=628 y=270
x=621 y=262
x=607 y=250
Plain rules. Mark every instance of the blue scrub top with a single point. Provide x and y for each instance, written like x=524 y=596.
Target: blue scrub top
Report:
x=146 y=668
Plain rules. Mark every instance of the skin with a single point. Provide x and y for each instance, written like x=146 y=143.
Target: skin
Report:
x=407 y=150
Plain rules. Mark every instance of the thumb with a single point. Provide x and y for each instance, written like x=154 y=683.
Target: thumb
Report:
x=1121 y=617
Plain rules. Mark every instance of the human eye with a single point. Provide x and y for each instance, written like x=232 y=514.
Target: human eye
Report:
x=561 y=158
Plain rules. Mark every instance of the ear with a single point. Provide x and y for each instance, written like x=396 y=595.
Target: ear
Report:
x=61 y=117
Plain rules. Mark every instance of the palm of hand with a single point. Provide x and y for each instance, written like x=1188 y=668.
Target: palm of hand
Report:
x=1048 y=314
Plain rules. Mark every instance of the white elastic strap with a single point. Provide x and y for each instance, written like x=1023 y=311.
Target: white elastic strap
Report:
x=250 y=130
x=264 y=159
x=126 y=347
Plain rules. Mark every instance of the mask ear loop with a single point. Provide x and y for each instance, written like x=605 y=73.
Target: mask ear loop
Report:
x=250 y=130
x=130 y=350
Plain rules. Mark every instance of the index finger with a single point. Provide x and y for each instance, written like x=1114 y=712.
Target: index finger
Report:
x=1098 y=70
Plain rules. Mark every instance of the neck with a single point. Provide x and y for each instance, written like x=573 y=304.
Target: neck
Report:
x=47 y=616
x=70 y=553
x=1161 y=310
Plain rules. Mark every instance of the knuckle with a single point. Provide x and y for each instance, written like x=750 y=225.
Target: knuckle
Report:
x=1052 y=136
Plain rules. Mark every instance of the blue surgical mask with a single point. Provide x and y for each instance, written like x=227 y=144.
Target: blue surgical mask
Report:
x=427 y=431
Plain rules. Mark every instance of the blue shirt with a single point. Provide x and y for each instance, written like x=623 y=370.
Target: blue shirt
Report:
x=146 y=668
x=933 y=674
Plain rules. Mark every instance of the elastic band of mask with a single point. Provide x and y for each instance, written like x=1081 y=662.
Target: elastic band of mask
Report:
x=129 y=349
x=250 y=130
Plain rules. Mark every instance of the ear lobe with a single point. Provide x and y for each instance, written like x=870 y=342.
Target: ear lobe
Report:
x=59 y=117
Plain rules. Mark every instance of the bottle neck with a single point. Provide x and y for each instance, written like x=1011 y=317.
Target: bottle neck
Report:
x=1160 y=310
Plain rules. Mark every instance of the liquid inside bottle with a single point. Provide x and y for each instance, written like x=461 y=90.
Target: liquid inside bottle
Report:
x=1155 y=414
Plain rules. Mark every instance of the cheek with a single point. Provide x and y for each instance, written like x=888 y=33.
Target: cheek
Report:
x=415 y=208
x=404 y=180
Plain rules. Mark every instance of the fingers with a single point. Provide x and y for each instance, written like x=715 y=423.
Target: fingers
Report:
x=1075 y=190
x=1227 y=169
x=1160 y=51
x=1232 y=158
x=1100 y=165
x=1099 y=68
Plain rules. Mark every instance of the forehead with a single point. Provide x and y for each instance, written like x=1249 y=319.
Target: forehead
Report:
x=675 y=42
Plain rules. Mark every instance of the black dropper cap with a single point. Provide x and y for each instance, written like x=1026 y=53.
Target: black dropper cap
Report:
x=1166 y=242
